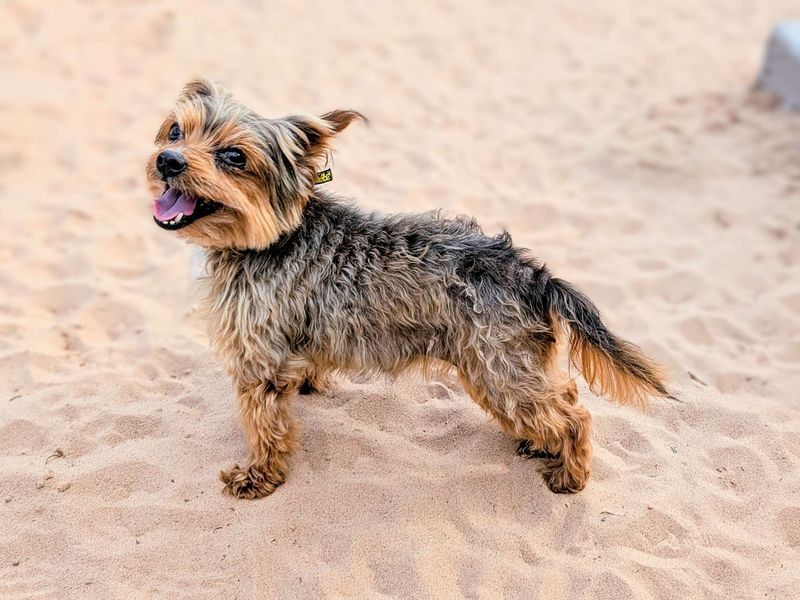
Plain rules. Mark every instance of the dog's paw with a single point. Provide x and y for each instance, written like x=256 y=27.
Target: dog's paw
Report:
x=249 y=483
x=527 y=449
x=561 y=480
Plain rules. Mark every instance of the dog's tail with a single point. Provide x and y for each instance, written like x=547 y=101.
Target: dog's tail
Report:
x=609 y=364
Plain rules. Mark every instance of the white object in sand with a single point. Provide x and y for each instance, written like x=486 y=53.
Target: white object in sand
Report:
x=780 y=72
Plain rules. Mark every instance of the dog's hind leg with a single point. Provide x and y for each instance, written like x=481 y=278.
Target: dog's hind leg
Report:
x=566 y=428
x=547 y=423
x=270 y=432
x=568 y=391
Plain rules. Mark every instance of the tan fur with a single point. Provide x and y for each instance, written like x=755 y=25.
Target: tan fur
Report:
x=249 y=219
x=301 y=284
x=604 y=377
x=603 y=374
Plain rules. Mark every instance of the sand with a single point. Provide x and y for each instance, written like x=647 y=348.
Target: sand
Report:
x=619 y=141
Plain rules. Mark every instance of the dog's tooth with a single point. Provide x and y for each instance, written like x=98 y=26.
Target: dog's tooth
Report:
x=179 y=217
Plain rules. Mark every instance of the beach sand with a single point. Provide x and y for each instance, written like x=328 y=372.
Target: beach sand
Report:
x=620 y=142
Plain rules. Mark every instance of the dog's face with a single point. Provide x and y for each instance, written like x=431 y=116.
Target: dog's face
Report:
x=224 y=177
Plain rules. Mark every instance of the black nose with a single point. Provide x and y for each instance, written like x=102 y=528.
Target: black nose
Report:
x=170 y=163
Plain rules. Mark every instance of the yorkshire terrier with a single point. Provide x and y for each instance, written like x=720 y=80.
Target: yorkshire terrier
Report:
x=301 y=284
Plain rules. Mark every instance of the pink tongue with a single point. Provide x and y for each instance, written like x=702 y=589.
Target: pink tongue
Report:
x=171 y=203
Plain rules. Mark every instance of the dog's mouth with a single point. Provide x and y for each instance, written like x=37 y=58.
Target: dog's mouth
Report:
x=175 y=209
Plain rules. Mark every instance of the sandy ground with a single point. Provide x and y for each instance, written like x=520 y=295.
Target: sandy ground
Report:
x=618 y=141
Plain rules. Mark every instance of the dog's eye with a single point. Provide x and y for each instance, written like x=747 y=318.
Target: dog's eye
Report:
x=232 y=157
x=174 y=133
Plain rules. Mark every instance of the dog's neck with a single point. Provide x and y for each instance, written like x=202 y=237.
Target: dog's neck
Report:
x=314 y=205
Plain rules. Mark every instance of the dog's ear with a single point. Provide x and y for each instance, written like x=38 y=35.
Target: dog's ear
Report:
x=338 y=120
x=200 y=88
x=315 y=133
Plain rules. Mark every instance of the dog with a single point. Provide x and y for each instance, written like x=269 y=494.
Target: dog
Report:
x=301 y=284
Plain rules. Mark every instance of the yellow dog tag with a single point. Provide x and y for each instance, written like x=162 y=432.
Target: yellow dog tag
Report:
x=323 y=177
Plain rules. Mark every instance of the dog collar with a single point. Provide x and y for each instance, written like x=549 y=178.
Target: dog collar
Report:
x=323 y=177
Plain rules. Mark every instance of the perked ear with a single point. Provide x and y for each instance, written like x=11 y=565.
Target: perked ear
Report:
x=315 y=133
x=340 y=119
x=200 y=88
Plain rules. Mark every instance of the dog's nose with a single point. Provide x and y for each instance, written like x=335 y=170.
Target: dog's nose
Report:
x=170 y=163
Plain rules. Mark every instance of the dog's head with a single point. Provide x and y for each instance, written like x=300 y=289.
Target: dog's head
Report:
x=224 y=177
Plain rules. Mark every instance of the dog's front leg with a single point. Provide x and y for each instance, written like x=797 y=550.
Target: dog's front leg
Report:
x=270 y=431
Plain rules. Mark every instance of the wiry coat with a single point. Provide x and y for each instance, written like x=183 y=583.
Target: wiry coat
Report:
x=301 y=284
x=369 y=292
x=361 y=291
